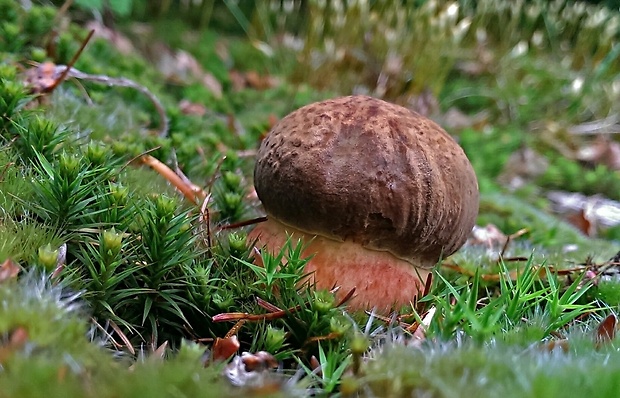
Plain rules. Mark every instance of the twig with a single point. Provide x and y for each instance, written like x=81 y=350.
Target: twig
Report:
x=233 y=331
x=235 y=316
x=121 y=82
x=243 y=223
x=4 y=170
x=108 y=335
x=215 y=173
x=123 y=337
x=510 y=238
x=346 y=298
x=206 y=218
x=191 y=193
x=139 y=156
x=267 y=305
x=65 y=73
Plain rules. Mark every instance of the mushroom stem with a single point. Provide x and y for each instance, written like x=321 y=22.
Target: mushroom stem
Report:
x=381 y=280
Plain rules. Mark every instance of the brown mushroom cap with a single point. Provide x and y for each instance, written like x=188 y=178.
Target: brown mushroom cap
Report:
x=362 y=170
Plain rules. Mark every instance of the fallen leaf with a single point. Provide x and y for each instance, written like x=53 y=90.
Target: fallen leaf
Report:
x=606 y=331
x=601 y=151
x=224 y=348
x=17 y=340
x=212 y=84
x=583 y=223
x=160 y=351
x=251 y=79
x=597 y=209
x=258 y=380
x=553 y=344
x=118 y=40
x=192 y=108
x=9 y=270
x=259 y=361
x=42 y=77
x=489 y=236
x=123 y=337
x=523 y=166
x=237 y=80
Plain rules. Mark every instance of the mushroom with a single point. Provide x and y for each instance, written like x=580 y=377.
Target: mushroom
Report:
x=378 y=193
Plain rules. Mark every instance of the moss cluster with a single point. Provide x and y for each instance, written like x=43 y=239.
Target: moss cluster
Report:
x=110 y=254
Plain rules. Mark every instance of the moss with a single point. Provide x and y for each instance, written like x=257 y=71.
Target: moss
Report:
x=143 y=257
x=440 y=370
x=608 y=291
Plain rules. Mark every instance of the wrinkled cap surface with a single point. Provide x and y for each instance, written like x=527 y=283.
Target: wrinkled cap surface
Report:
x=363 y=170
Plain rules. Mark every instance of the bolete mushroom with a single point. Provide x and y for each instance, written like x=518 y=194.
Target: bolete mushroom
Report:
x=377 y=192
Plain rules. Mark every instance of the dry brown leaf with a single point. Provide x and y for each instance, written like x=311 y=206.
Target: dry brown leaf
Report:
x=117 y=39
x=17 y=340
x=9 y=270
x=224 y=348
x=212 y=84
x=160 y=351
x=606 y=331
x=583 y=223
x=553 y=344
x=603 y=151
x=597 y=209
x=489 y=236
x=192 y=108
x=523 y=166
x=259 y=361
x=42 y=77
x=123 y=337
x=237 y=80
x=251 y=79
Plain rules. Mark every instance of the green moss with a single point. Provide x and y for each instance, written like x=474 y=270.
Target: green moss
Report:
x=55 y=352
x=145 y=258
x=569 y=175
x=608 y=291
x=493 y=370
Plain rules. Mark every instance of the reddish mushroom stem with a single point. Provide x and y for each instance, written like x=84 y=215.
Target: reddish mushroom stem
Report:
x=381 y=280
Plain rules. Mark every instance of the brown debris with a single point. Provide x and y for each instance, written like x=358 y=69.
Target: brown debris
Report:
x=192 y=108
x=224 y=349
x=251 y=79
x=119 y=41
x=606 y=331
x=192 y=192
x=523 y=166
x=602 y=151
x=17 y=339
x=258 y=362
x=9 y=270
x=587 y=213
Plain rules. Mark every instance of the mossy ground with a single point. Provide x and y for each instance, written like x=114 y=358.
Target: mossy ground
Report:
x=114 y=263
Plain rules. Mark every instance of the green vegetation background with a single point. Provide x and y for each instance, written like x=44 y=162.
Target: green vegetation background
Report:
x=113 y=263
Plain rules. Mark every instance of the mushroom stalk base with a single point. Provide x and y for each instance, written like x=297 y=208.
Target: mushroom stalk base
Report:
x=381 y=280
